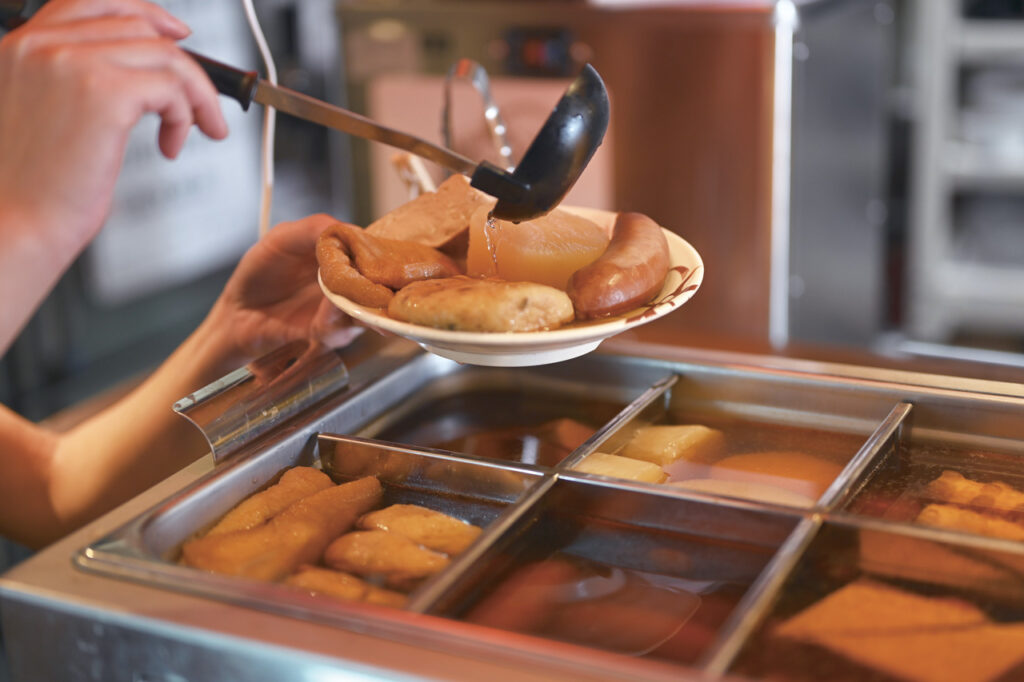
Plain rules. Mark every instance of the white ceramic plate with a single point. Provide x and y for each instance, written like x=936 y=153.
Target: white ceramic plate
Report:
x=521 y=349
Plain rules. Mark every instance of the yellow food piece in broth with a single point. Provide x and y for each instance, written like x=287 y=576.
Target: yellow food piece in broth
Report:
x=663 y=445
x=603 y=464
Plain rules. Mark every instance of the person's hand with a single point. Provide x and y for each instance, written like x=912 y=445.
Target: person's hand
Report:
x=273 y=296
x=74 y=80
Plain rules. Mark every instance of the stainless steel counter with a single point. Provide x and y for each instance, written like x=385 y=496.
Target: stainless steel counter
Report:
x=122 y=610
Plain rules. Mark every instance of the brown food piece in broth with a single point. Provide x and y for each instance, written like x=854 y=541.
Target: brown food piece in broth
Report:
x=546 y=444
x=295 y=483
x=378 y=553
x=969 y=521
x=317 y=580
x=913 y=637
x=797 y=472
x=432 y=529
x=296 y=536
x=525 y=600
x=954 y=487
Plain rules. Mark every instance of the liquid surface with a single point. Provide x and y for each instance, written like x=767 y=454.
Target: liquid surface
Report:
x=512 y=425
x=615 y=609
x=799 y=462
x=871 y=606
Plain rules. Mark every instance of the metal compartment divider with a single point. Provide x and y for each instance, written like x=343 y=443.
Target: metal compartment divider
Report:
x=756 y=604
x=758 y=600
x=653 y=400
x=431 y=598
x=855 y=472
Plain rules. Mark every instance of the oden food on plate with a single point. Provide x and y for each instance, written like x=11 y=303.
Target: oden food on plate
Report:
x=517 y=277
x=368 y=269
x=438 y=219
x=629 y=273
x=546 y=250
x=482 y=305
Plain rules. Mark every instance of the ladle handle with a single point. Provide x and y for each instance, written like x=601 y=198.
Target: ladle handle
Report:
x=235 y=83
x=245 y=86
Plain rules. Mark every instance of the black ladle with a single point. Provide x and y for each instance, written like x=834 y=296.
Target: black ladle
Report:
x=549 y=168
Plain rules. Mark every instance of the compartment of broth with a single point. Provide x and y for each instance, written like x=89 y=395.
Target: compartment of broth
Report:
x=870 y=604
x=373 y=525
x=704 y=437
x=962 y=474
x=618 y=570
x=526 y=416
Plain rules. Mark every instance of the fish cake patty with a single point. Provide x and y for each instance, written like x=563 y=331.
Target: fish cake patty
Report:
x=482 y=305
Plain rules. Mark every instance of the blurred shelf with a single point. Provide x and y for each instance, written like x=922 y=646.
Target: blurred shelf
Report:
x=969 y=167
x=950 y=290
x=990 y=40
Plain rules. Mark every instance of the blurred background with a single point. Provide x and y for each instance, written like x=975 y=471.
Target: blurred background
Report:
x=851 y=171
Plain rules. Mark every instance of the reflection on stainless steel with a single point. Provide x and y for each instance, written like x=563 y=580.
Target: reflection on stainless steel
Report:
x=253 y=400
x=744 y=565
x=669 y=546
x=347 y=457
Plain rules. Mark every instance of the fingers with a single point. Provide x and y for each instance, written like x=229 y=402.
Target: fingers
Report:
x=58 y=12
x=332 y=327
x=297 y=237
x=126 y=49
x=168 y=82
x=133 y=76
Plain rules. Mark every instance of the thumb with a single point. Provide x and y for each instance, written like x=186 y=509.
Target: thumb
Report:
x=332 y=327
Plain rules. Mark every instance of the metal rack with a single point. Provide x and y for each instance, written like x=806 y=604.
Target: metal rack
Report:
x=953 y=285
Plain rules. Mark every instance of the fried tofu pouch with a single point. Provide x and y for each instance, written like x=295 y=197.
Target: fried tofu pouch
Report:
x=382 y=554
x=296 y=483
x=432 y=529
x=316 y=580
x=296 y=536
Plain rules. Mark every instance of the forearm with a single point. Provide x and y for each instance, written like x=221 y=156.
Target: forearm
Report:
x=136 y=442
x=30 y=265
x=26 y=453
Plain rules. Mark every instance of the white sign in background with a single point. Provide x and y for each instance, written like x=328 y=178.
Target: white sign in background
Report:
x=175 y=221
